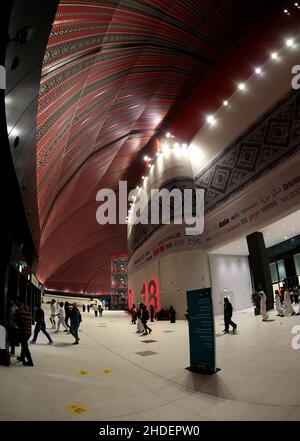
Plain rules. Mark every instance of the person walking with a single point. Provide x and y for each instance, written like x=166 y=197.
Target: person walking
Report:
x=75 y=322
x=133 y=314
x=88 y=307
x=263 y=306
x=278 y=305
x=61 y=317
x=83 y=308
x=40 y=325
x=23 y=320
x=228 y=316
x=100 y=309
x=152 y=312
x=139 y=325
x=287 y=304
x=12 y=328
x=52 y=313
x=96 y=310
x=67 y=316
x=145 y=318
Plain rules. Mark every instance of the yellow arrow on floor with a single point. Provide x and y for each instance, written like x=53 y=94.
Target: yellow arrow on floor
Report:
x=82 y=373
x=105 y=371
x=77 y=409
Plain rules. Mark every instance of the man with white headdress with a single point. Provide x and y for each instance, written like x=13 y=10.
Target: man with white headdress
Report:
x=287 y=304
x=263 y=306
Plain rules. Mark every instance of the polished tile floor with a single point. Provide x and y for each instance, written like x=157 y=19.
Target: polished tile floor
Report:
x=114 y=375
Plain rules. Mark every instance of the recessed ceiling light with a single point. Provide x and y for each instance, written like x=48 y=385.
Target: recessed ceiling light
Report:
x=242 y=86
x=146 y=158
x=290 y=42
x=225 y=103
x=258 y=70
x=274 y=56
x=211 y=119
x=168 y=135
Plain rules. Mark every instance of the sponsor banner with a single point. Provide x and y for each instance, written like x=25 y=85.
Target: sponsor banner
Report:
x=273 y=199
x=270 y=201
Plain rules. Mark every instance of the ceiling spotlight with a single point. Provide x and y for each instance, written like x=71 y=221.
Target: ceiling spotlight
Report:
x=258 y=70
x=242 y=86
x=290 y=42
x=225 y=103
x=146 y=158
x=211 y=119
x=157 y=154
x=168 y=135
x=149 y=165
x=143 y=177
x=137 y=187
x=274 y=56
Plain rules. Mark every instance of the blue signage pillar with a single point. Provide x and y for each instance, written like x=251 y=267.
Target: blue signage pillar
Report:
x=201 y=331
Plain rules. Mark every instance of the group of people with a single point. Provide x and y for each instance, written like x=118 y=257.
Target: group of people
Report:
x=283 y=301
x=20 y=326
x=140 y=317
x=283 y=306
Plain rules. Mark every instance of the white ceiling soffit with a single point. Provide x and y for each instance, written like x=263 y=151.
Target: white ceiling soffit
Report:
x=277 y=232
x=262 y=90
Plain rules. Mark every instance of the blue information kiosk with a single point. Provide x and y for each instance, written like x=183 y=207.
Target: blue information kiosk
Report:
x=201 y=331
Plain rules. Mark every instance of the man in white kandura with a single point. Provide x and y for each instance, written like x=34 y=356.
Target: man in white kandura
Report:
x=263 y=306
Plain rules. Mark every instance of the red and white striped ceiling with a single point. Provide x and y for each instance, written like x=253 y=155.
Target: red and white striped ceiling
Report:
x=115 y=74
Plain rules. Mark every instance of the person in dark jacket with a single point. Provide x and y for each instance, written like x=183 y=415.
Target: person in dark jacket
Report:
x=75 y=320
x=23 y=321
x=152 y=312
x=172 y=314
x=12 y=328
x=228 y=316
x=144 y=319
x=40 y=325
x=67 y=314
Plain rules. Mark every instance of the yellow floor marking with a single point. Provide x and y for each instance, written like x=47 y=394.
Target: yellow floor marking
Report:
x=82 y=373
x=105 y=371
x=77 y=409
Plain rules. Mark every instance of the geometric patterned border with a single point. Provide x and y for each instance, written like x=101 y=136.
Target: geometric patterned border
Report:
x=267 y=143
